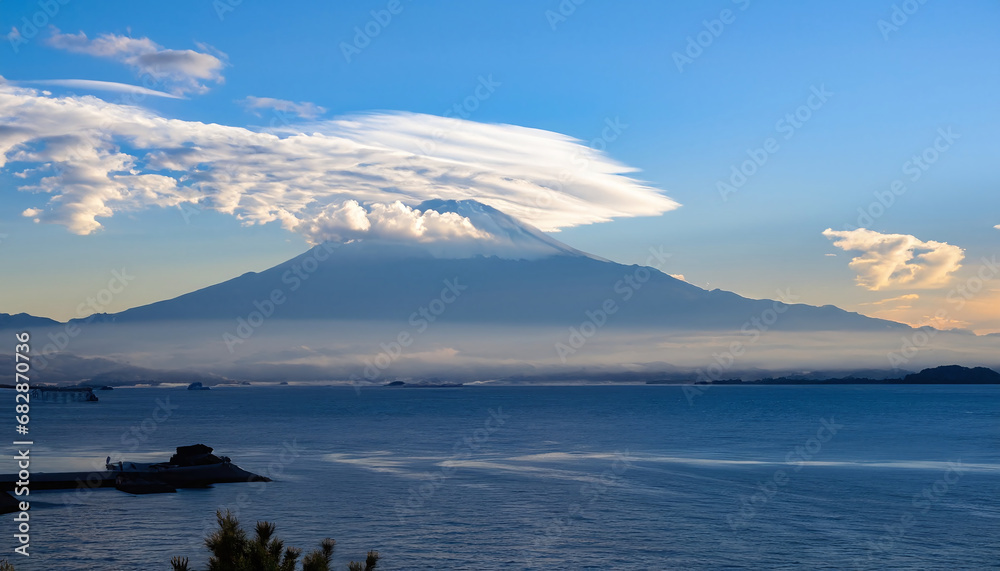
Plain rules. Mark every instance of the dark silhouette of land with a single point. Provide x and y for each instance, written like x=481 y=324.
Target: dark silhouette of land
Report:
x=944 y=375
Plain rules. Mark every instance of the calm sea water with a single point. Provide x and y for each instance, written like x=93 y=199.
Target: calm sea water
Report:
x=626 y=477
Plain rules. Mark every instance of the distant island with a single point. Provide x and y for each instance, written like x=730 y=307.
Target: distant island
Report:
x=944 y=375
x=401 y=384
x=59 y=394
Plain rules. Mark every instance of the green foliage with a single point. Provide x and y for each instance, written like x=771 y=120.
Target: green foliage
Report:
x=369 y=565
x=321 y=559
x=5 y=565
x=232 y=550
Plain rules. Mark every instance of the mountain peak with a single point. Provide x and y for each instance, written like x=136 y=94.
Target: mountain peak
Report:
x=507 y=238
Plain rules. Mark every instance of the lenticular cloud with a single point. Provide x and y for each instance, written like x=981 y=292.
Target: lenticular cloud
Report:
x=95 y=159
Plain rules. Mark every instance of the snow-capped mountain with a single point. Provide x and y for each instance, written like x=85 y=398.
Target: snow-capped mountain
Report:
x=519 y=276
x=509 y=237
x=515 y=303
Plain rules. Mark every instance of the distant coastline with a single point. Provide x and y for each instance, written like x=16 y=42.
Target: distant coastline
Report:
x=945 y=375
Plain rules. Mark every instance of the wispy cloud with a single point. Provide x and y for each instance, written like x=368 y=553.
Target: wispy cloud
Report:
x=303 y=109
x=96 y=159
x=93 y=85
x=900 y=299
x=980 y=313
x=182 y=71
x=897 y=260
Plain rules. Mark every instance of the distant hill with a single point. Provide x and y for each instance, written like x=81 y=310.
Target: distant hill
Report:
x=954 y=374
x=23 y=320
x=944 y=375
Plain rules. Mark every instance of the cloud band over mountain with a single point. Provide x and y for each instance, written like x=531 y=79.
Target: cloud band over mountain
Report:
x=95 y=159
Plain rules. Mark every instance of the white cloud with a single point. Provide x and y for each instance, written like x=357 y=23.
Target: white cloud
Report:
x=93 y=85
x=182 y=71
x=303 y=109
x=997 y=226
x=350 y=221
x=897 y=260
x=96 y=158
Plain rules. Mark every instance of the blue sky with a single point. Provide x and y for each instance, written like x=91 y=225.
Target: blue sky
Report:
x=891 y=93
